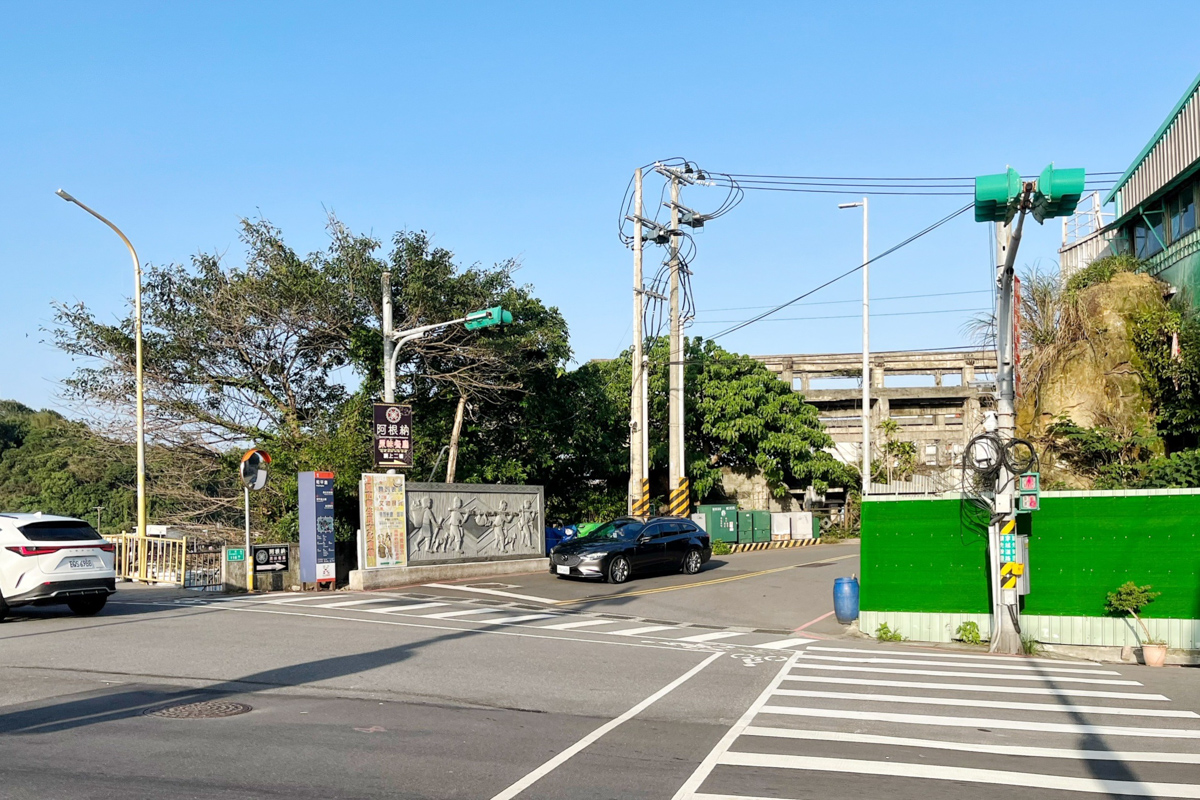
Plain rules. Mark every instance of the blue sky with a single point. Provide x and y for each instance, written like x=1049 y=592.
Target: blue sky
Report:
x=511 y=130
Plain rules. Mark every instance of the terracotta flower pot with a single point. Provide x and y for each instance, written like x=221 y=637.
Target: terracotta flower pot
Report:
x=1154 y=654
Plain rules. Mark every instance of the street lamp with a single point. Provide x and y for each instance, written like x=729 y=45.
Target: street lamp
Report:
x=137 y=346
x=866 y=359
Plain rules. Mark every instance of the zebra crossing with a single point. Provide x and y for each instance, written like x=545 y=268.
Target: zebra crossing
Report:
x=503 y=614
x=866 y=721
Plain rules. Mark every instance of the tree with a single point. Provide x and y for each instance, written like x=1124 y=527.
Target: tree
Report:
x=268 y=353
x=738 y=416
x=1129 y=598
x=899 y=458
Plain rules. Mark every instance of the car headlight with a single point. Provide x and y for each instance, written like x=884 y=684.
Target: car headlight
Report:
x=594 y=556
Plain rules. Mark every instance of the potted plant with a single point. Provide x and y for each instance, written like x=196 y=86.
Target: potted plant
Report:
x=1129 y=598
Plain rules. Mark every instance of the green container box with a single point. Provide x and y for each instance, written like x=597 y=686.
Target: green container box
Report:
x=762 y=521
x=721 y=522
x=745 y=529
x=762 y=535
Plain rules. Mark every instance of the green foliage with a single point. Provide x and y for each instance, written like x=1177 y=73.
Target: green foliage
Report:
x=1171 y=383
x=968 y=632
x=1129 y=598
x=721 y=548
x=1102 y=270
x=885 y=634
x=1110 y=459
x=899 y=458
x=1031 y=646
x=49 y=463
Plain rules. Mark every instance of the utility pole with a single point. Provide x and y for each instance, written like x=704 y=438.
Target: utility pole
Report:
x=1005 y=638
x=866 y=351
x=98 y=510
x=677 y=467
x=638 y=444
x=389 y=345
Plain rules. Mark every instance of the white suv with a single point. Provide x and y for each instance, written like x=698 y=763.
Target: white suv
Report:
x=47 y=560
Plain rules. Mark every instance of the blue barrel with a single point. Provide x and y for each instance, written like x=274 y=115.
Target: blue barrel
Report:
x=845 y=600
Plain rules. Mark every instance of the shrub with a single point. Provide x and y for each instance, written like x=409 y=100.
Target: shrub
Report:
x=721 y=548
x=968 y=632
x=886 y=634
x=1129 y=598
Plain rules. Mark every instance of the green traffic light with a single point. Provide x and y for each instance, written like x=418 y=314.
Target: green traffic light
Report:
x=487 y=318
x=1058 y=192
x=996 y=196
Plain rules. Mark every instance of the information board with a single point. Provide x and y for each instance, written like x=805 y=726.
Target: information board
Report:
x=315 y=491
x=270 y=558
x=383 y=515
x=392 y=435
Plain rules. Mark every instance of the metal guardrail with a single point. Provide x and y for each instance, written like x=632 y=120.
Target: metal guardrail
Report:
x=150 y=559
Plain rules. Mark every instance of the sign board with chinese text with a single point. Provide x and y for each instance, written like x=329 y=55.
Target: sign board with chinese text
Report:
x=384 y=519
x=235 y=554
x=316 y=527
x=391 y=434
x=270 y=558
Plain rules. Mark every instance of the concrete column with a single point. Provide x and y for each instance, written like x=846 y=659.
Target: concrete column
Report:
x=968 y=372
x=937 y=378
x=877 y=374
x=786 y=374
x=804 y=382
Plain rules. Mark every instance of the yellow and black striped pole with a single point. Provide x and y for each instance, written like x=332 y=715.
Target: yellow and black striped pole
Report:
x=641 y=503
x=680 y=505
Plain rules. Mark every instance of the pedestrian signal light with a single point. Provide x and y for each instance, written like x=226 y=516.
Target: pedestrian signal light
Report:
x=1057 y=193
x=997 y=196
x=1029 y=482
x=487 y=318
x=1029 y=502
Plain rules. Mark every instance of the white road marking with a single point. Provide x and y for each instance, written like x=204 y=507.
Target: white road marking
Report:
x=560 y=759
x=468 y=612
x=994 y=777
x=921 y=663
x=971 y=747
x=401 y=609
x=938 y=673
x=348 y=603
x=496 y=592
x=978 y=687
x=640 y=631
x=1053 y=708
x=710 y=637
x=513 y=620
x=924 y=654
x=566 y=626
x=290 y=599
x=710 y=761
x=982 y=722
x=784 y=643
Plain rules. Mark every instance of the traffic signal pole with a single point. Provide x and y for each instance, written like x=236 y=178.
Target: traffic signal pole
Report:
x=637 y=367
x=1005 y=636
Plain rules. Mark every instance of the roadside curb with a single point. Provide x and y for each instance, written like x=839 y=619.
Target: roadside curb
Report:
x=749 y=546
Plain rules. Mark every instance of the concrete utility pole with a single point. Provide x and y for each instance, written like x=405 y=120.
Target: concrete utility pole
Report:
x=678 y=466
x=638 y=443
x=389 y=346
x=1005 y=638
x=866 y=351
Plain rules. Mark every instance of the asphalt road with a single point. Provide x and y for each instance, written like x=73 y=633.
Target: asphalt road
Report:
x=431 y=693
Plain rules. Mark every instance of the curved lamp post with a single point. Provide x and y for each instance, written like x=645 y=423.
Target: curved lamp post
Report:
x=137 y=338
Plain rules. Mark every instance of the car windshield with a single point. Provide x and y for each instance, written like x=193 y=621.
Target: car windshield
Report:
x=617 y=529
x=59 y=531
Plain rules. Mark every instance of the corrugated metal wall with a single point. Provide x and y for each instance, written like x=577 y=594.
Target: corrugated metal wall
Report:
x=1178 y=149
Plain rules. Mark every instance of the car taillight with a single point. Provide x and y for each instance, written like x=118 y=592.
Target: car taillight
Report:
x=33 y=551
x=108 y=548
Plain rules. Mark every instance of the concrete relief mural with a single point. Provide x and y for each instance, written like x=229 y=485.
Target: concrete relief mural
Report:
x=449 y=522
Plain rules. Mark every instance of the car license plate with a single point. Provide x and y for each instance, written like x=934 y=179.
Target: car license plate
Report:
x=80 y=563
x=563 y=570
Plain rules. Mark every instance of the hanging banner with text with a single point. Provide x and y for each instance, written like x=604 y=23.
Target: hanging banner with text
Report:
x=384 y=519
x=392 y=435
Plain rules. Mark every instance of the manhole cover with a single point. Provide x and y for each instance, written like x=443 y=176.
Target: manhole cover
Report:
x=208 y=709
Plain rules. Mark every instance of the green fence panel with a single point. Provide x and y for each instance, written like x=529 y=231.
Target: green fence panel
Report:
x=923 y=555
x=1081 y=548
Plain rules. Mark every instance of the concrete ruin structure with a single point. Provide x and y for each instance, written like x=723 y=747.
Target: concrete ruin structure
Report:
x=937 y=397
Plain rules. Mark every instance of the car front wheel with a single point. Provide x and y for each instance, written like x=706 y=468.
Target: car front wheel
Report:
x=691 y=562
x=87 y=606
x=618 y=570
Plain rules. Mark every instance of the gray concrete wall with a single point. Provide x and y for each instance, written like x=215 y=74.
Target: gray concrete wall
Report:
x=234 y=573
x=452 y=523
x=391 y=577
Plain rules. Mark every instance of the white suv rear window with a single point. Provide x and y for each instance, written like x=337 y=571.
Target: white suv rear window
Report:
x=59 y=531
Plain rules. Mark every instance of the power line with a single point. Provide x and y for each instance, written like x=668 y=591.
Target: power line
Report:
x=859 y=300
x=851 y=316
x=847 y=273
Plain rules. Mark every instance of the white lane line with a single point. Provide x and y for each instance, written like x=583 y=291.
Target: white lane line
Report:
x=513 y=620
x=640 y=631
x=468 y=612
x=783 y=644
x=971 y=747
x=894 y=769
x=978 y=687
x=496 y=592
x=922 y=653
x=982 y=722
x=1053 y=708
x=291 y=599
x=566 y=626
x=710 y=761
x=402 y=609
x=940 y=673
x=710 y=637
x=560 y=759
x=348 y=603
x=920 y=663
